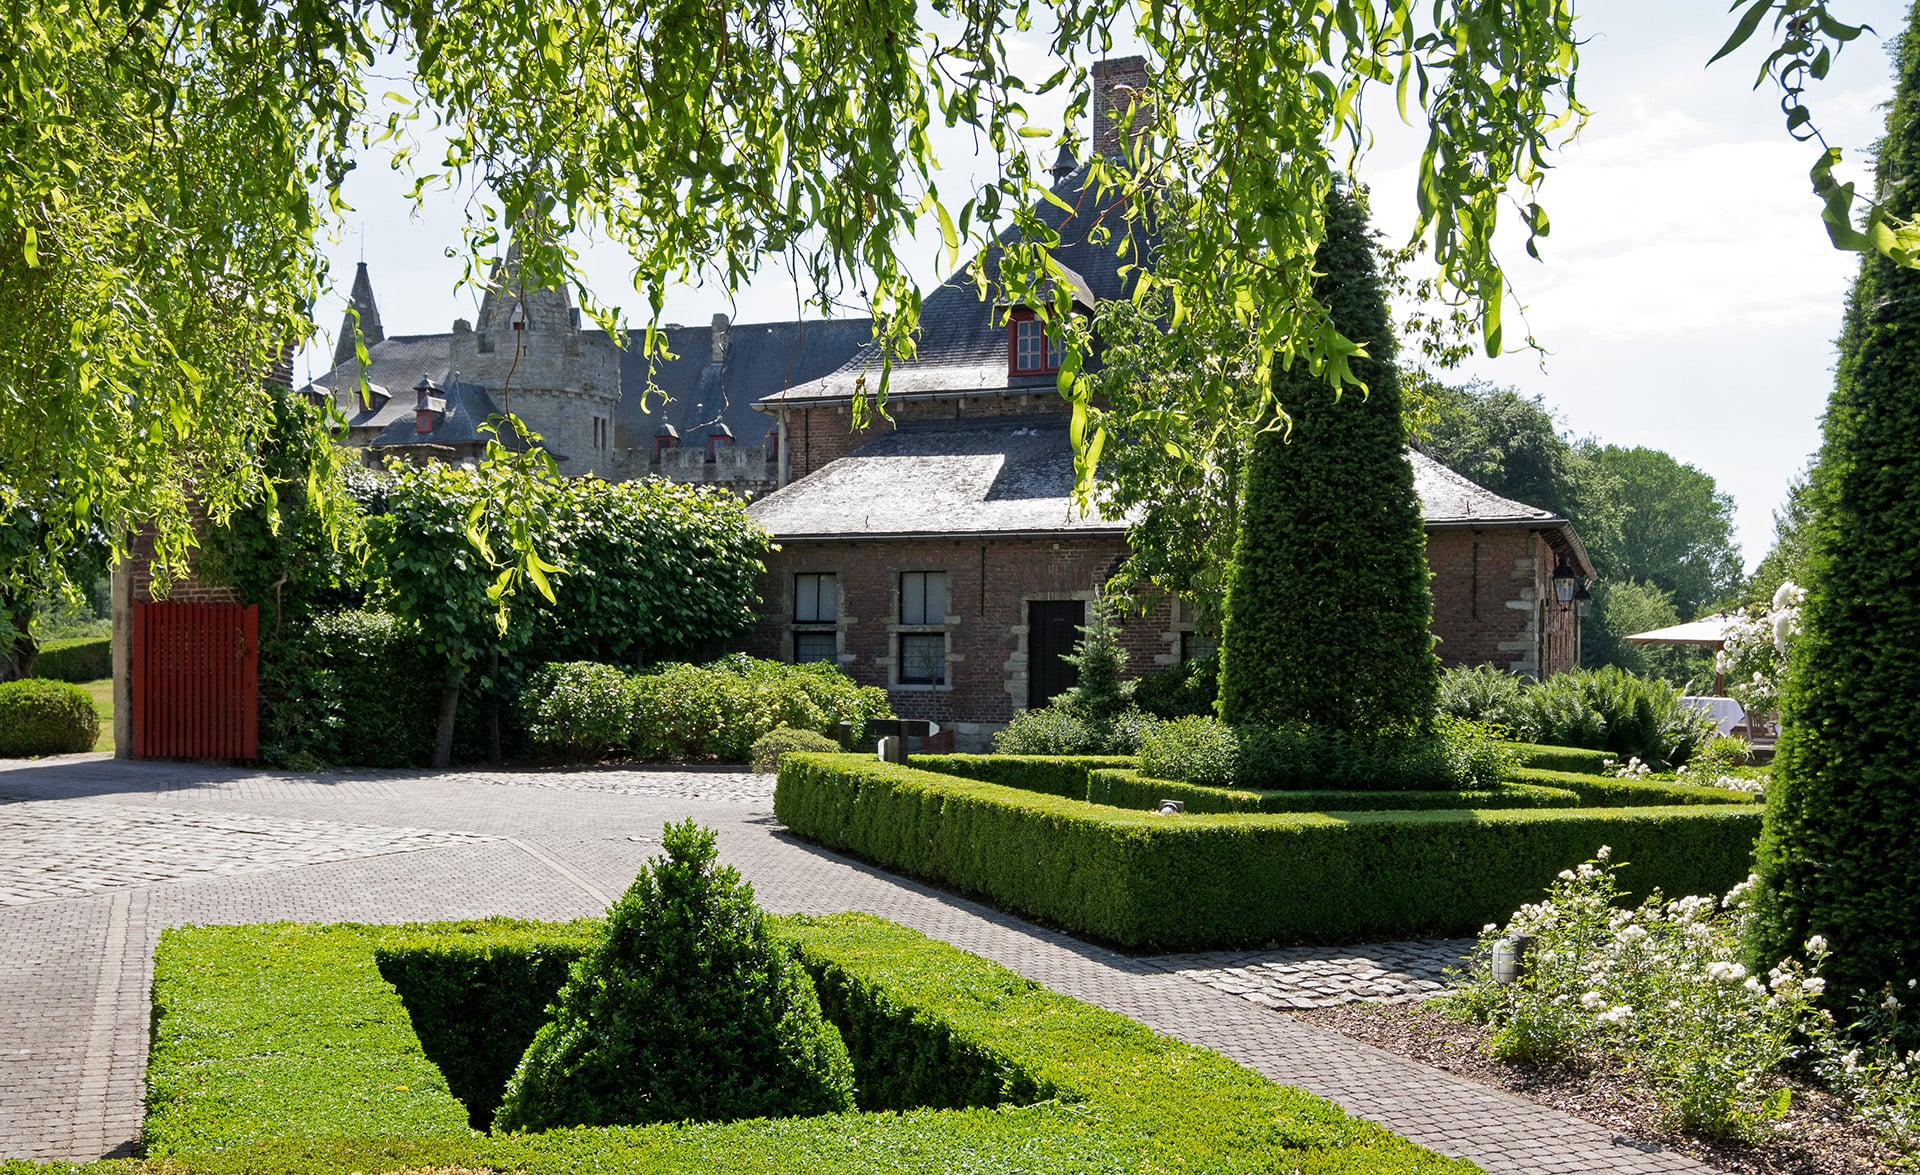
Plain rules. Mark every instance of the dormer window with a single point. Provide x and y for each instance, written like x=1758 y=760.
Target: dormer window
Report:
x=1029 y=350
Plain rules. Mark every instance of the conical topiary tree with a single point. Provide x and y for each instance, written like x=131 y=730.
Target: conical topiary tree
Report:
x=1840 y=853
x=1328 y=610
x=688 y=1011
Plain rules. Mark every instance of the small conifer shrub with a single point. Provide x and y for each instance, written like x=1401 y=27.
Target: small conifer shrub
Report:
x=688 y=1010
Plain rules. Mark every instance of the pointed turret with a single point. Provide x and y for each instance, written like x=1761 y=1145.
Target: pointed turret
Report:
x=510 y=304
x=361 y=302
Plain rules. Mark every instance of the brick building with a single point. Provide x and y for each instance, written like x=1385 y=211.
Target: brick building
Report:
x=939 y=555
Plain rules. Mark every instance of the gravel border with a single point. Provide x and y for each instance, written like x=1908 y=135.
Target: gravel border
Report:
x=1816 y=1137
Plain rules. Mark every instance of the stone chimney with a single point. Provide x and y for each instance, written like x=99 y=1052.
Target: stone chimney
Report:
x=1117 y=84
x=720 y=328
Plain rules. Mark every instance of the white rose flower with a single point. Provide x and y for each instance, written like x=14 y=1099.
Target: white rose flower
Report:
x=1592 y=1000
x=1814 y=985
x=1754 y=985
x=1816 y=945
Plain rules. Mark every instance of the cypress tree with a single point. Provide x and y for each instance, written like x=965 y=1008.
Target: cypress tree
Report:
x=1328 y=609
x=1839 y=856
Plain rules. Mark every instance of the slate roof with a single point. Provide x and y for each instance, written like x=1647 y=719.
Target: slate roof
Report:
x=1016 y=476
x=465 y=406
x=996 y=478
x=762 y=357
x=700 y=393
x=961 y=347
x=1449 y=500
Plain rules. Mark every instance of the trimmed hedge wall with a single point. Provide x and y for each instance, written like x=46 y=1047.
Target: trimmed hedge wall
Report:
x=1130 y=789
x=1602 y=791
x=279 y=1049
x=1575 y=759
x=1153 y=882
x=477 y=992
x=81 y=659
x=1054 y=775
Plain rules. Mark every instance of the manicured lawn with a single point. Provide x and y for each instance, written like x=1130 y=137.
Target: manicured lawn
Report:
x=101 y=692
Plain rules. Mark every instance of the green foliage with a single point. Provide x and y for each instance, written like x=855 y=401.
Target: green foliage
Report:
x=1573 y=759
x=1622 y=608
x=1612 y=710
x=689 y=1010
x=1005 y=1075
x=769 y=747
x=1055 y=775
x=654 y=571
x=1602 y=791
x=1481 y=693
x=1676 y=527
x=1657 y=985
x=1150 y=882
x=1722 y=753
x=1839 y=858
x=1129 y=789
x=476 y=992
x=39 y=717
x=1314 y=633
x=1100 y=660
x=1203 y=751
x=361 y=688
x=79 y=659
x=1183 y=691
x=576 y=710
x=1786 y=559
x=1050 y=730
x=721 y=710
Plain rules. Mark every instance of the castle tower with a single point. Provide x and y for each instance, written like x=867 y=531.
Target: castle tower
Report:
x=359 y=302
x=528 y=351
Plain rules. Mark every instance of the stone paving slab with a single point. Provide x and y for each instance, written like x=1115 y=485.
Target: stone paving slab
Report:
x=75 y=971
x=1325 y=977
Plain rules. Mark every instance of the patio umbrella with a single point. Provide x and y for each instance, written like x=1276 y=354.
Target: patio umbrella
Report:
x=1708 y=630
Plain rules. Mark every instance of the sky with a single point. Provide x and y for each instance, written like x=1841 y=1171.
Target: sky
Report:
x=1687 y=299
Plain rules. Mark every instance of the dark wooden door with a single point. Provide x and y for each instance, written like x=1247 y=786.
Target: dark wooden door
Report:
x=1053 y=629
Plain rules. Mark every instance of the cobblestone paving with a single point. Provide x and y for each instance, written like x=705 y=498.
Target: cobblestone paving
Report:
x=50 y=849
x=1322 y=977
x=75 y=971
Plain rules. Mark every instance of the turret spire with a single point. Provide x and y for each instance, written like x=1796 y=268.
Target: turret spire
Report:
x=360 y=301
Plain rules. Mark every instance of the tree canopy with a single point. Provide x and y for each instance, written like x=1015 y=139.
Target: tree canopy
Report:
x=166 y=168
x=1676 y=527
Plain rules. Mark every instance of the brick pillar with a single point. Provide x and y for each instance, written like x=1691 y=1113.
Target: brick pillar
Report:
x=1117 y=84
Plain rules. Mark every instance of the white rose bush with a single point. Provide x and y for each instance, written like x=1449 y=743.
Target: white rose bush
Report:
x=1660 y=987
x=1754 y=656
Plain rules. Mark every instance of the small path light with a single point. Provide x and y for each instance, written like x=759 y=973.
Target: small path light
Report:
x=1171 y=807
x=1510 y=958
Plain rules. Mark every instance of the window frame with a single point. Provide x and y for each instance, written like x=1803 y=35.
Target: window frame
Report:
x=921 y=624
x=821 y=624
x=1053 y=350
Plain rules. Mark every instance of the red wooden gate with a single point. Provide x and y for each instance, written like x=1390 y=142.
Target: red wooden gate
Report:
x=196 y=684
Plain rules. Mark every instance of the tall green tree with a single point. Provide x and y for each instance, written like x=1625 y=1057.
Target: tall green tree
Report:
x=1838 y=856
x=1328 y=610
x=1676 y=527
x=1792 y=533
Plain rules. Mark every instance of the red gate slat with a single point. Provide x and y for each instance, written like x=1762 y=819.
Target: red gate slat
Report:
x=196 y=681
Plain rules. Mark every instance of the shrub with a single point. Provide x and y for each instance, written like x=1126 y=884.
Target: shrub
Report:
x=40 y=717
x=1128 y=789
x=1329 y=616
x=1175 y=882
x=1601 y=791
x=1055 y=775
x=1183 y=691
x=1575 y=759
x=1099 y=660
x=1481 y=693
x=720 y=710
x=1722 y=753
x=1204 y=751
x=576 y=710
x=1050 y=730
x=362 y=693
x=1612 y=710
x=1657 y=985
x=80 y=659
x=688 y=1011
x=1477 y=757
x=782 y=739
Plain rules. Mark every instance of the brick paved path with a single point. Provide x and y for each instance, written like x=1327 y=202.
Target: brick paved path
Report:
x=132 y=848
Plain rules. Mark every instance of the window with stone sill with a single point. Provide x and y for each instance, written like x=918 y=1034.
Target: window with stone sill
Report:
x=922 y=655
x=816 y=609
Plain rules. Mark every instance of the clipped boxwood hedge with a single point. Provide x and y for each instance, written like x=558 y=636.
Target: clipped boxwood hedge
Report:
x=1130 y=789
x=1055 y=775
x=1601 y=791
x=40 y=717
x=84 y=658
x=280 y=1049
x=1576 y=759
x=1153 y=882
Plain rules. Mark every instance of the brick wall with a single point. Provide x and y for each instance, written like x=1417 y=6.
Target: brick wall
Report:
x=186 y=590
x=989 y=584
x=822 y=433
x=1493 y=601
